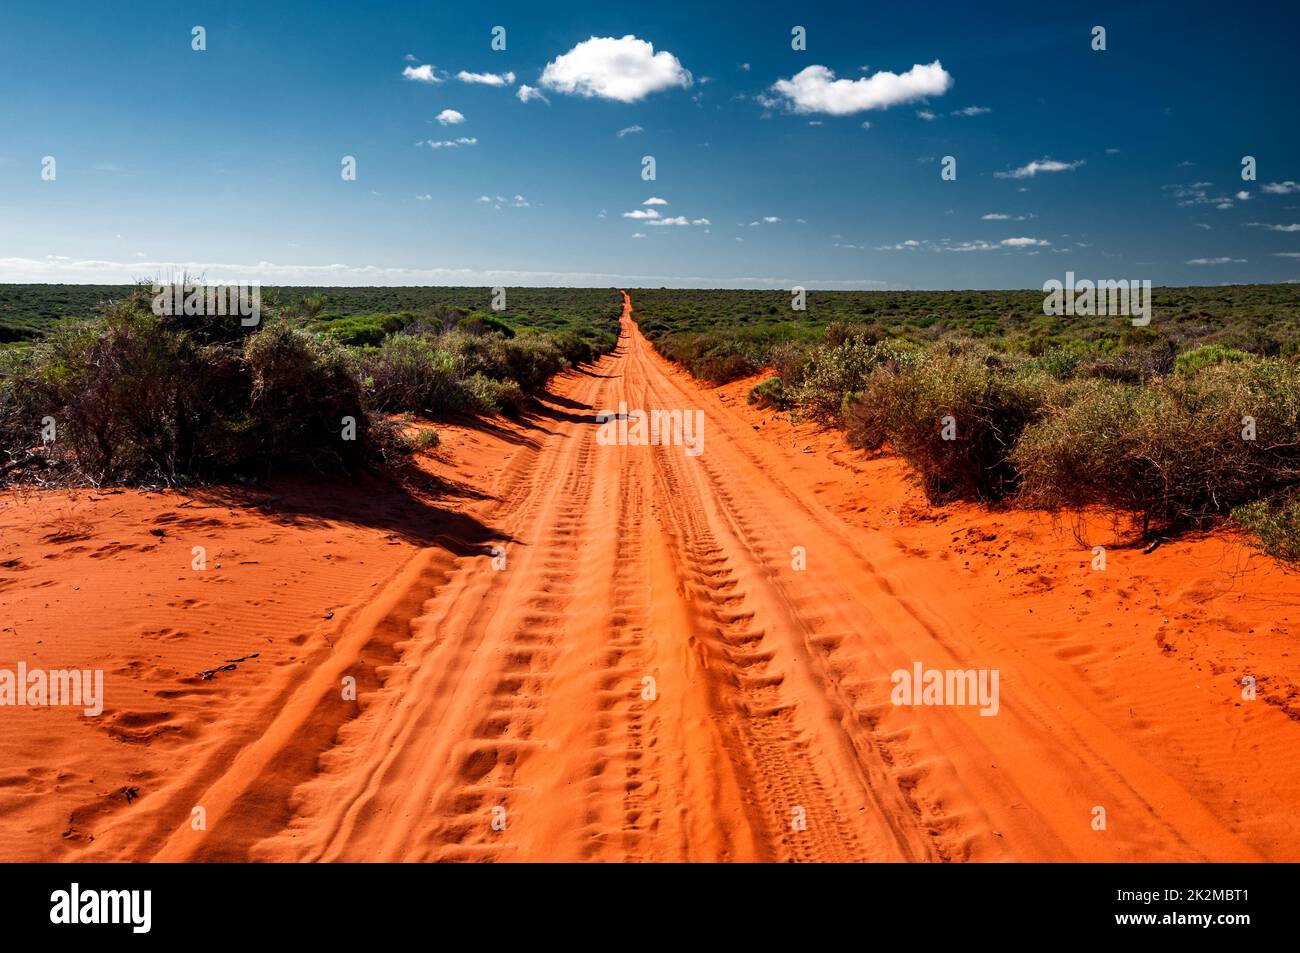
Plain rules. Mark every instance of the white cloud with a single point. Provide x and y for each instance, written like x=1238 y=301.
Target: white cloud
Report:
x=1039 y=165
x=995 y=217
x=62 y=269
x=866 y=125
x=527 y=93
x=487 y=79
x=1275 y=228
x=1196 y=194
x=1216 y=261
x=422 y=74
x=972 y=111
x=700 y=221
x=655 y=200
x=424 y=198
x=641 y=213
x=452 y=143
x=628 y=131
x=638 y=234
x=675 y=220
x=501 y=201
x=815 y=89
x=771 y=219
x=449 y=117
x=947 y=245
x=411 y=58
x=926 y=115
x=1286 y=254
x=1280 y=188
x=1243 y=196
x=625 y=70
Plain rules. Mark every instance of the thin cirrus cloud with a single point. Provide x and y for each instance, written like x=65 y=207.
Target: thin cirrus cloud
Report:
x=815 y=89
x=946 y=245
x=628 y=131
x=1274 y=228
x=679 y=220
x=451 y=143
x=624 y=70
x=450 y=117
x=1216 y=261
x=487 y=79
x=1031 y=169
x=501 y=201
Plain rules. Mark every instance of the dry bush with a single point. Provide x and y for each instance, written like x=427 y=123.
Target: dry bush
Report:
x=989 y=408
x=1173 y=453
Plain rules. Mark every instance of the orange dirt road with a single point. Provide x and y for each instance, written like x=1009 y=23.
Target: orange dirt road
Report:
x=649 y=676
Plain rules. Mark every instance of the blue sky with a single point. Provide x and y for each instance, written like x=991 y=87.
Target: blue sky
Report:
x=227 y=161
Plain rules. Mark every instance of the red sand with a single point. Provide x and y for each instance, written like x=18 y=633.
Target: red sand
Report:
x=507 y=715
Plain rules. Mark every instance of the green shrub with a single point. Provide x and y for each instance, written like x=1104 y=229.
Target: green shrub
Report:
x=770 y=394
x=583 y=345
x=425 y=439
x=1189 y=362
x=138 y=399
x=982 y=409
x=530 y=360
x=414 y=374
x=491 y=396
x=480 y=322
x=1173 y=453
x=1275 y=526
x=721 y=367
x=364 y=330
x=718 y=357
x=303 y=395
x=833 y=372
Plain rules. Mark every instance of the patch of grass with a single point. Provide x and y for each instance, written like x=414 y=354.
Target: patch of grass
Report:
x=1275 y=526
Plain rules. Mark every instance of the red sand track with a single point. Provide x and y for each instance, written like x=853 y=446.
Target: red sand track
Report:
x=525 y=689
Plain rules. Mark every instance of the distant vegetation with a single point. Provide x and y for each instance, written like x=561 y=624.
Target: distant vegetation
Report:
x=28 y=311
x=1192 y=418
x=137 y=398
